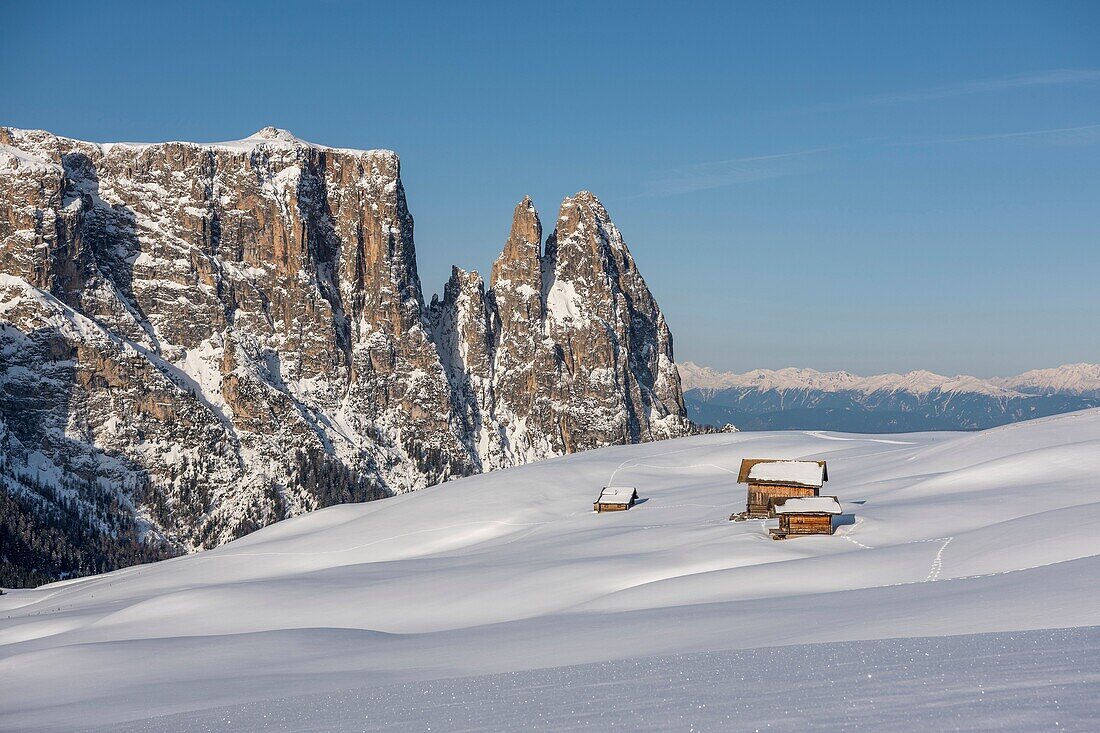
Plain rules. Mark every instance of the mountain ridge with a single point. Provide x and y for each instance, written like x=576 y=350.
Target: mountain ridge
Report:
x=1078 y=378
x=215 y=336
x=807 y=399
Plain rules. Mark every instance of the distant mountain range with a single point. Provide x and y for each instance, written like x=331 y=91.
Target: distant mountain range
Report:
x=806 y=399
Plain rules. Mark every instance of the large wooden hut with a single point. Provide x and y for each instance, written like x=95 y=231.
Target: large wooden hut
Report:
x=770 y=479
x=616 y=499
x=805 y=515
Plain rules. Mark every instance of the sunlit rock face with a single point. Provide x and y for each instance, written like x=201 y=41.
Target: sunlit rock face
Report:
x=616 y=379
x=566 y=350
x=210 y=337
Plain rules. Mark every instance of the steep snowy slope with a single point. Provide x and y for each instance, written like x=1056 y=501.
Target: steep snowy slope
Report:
x=511 y=572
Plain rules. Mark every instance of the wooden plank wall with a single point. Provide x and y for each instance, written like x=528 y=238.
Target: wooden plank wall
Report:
x=806 y=523
x=760 y=496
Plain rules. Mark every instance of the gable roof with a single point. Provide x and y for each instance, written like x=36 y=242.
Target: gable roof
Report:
x=808 y=505
x=617 y=495
x=783 y=472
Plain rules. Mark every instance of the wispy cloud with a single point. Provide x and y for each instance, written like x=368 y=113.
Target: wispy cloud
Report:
x=1053 y=77
x=738 y=170
x=800 y=162
x=1063 y=136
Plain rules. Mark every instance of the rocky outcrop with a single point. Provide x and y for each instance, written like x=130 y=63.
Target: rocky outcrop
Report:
x=523 y=358
x=220 y=335
x=615 y=379
x=567 y=350
x=465 y=343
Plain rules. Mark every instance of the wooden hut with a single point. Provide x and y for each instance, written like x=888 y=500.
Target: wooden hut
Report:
x=616 y=499
x=805 y=515
x=770 y=479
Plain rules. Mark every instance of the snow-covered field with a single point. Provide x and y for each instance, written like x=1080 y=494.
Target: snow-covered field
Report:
x=961 y=591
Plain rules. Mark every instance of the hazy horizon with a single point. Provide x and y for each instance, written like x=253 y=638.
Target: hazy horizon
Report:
x=853 y=186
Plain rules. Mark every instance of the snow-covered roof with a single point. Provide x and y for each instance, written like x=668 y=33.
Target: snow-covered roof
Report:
x=617 y=495
x=797 y=473
x=809 y=505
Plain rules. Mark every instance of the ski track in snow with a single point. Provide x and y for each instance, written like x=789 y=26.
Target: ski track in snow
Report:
x=823 y=436
x=937 y=562
x=846 y=534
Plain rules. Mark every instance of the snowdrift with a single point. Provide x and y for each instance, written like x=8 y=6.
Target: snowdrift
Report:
x=943 y=535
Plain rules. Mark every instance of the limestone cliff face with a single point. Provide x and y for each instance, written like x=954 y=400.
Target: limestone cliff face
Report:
x=220 y=335
x=615 y=380
x=464 y=341
x=567 y=350
x=522 y=358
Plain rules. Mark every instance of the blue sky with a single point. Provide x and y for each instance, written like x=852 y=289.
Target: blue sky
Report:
x=865 y=186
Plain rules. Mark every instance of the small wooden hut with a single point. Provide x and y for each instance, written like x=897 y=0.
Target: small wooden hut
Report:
x=616 y=499
x=805 y=515
x=770 y=480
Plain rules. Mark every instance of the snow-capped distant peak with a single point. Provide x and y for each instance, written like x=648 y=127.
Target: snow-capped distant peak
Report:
x=1074 y=379
x=693 y=375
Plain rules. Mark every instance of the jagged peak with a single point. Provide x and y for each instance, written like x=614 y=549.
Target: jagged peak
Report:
x=275 y=133
x=459 y=274
x=586 y=200
x=461 y=282
x=582 y=216
x=582 y=196
x=526 y=226
x=519 y=260
x=585 y=206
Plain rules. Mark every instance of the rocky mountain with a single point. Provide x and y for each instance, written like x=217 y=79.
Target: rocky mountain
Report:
x=197 y=340
x=1068 y=379
x=806 y=399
